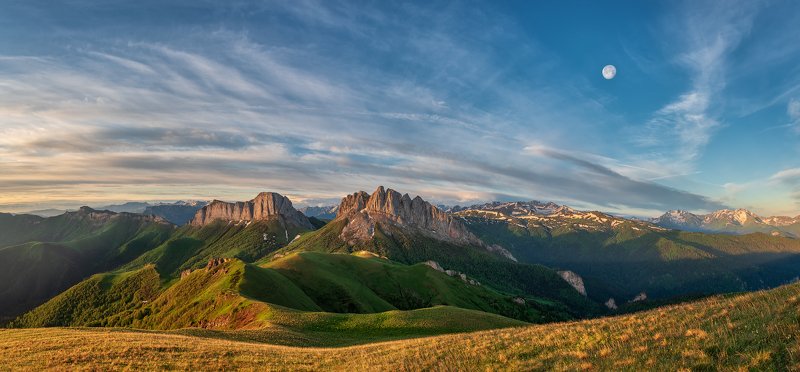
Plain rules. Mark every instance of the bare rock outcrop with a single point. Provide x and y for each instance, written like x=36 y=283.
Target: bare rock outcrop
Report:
x=186 y=273
x=574 y=280
x=501 y=251
x=214 y=262
x=456 y=274
x=434 y=265
x=265 y=206
x=389 y=206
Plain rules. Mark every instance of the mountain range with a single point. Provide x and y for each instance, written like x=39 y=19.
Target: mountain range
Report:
x=739 y=221
x=179 y=212
x=393 y=227
x=386 y=263
x=621 y=260
x=327 y=212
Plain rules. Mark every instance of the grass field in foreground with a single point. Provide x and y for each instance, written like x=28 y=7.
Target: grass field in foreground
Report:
x=757 y=331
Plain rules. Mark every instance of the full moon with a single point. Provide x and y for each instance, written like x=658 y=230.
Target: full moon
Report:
x=609 y=72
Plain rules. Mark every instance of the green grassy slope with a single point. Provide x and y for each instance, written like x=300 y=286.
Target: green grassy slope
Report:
x=753 y=331
x=626 y=261
x=17 y=229
x=348 y=283
x=60 y=251
x=72 y=226
x=191 y=246
x=239 y=296
x=488 y=268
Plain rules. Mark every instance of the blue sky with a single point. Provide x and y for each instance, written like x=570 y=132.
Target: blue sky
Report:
x=107 y=101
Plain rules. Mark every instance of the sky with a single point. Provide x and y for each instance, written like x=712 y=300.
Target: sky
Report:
x=459 y=102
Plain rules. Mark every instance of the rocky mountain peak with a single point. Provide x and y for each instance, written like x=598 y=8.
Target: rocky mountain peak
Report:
x=363 y=210
x=265 y=206
x=90 y=214
x=678 y=217
x=85 y=210
x=736 y=221
x=781 y=220
x=350 y=203
x=737 y=216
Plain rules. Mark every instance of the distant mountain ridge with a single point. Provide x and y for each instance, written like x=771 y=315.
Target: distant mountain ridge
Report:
x=179 y=212
x=620 y=258
x=513 y=208
x=265 y=206
x=738 y=221
x=40 y=257
x=327 y=212
x=549 y=216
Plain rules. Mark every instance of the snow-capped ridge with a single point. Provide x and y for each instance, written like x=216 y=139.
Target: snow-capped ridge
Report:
x=738 y=221
x=550 y=216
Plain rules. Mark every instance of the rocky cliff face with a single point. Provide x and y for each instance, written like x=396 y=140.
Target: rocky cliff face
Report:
x=265 y=206
x=384 y=206
x=101 y=217
x=574 y=280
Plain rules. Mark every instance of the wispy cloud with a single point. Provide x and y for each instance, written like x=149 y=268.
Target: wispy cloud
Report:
x=789 y=176
x=793 y=110
x=346 y=98
x=678 y=132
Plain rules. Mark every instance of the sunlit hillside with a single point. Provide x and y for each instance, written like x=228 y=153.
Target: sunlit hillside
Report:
x=756 y=331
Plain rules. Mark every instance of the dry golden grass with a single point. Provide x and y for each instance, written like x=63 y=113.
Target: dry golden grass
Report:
x=757 y=331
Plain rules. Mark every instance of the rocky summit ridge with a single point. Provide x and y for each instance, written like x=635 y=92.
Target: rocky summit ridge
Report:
x=401 y=210
x=265 y=206
x=100 y=217
x=387 y=206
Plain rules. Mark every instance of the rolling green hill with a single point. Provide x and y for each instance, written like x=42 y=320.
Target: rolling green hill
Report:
x=230 y=294
x=491 y=269
x=191 y=247
x=630 y=257
x=753 y=331
x=297 y=295
x=40 y=257
x=349 y=283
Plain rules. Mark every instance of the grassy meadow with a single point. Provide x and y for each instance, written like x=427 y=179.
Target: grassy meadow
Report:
x=753 y=331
